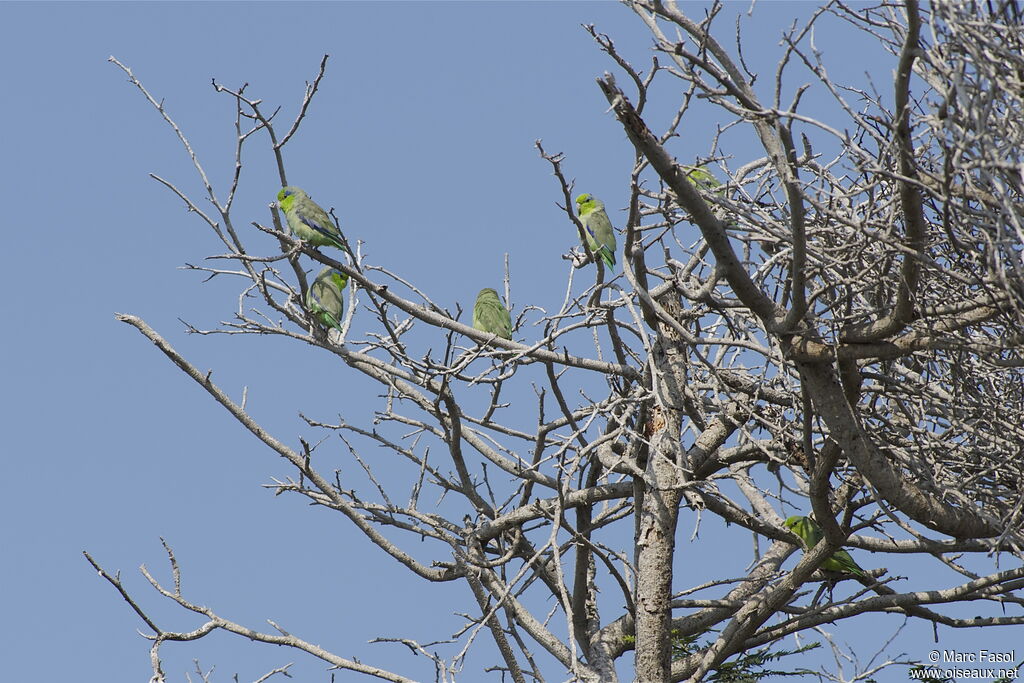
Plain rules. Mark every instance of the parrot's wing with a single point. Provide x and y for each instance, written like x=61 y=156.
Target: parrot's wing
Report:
x=842 y=561
x=812 y=532
x=316 y=225
x=601 y=250
x=491 y=316
x=325 y=297
x=505 y=323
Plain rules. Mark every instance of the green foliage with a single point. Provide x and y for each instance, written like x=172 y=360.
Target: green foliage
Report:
x=746 y=668
x=1011 y=679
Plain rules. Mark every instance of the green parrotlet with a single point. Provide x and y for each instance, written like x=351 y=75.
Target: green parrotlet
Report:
x=701 y=177
x=325 y=298
x=490 y=316
x=597 y=227
x=810 y=533
x=307 y=220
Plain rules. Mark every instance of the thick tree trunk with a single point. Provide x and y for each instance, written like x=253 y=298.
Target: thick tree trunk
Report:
x=655 y=549
x=658 y=511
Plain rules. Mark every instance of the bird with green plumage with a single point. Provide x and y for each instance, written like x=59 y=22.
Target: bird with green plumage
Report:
x=810 y=533
x=703 y=180
x=325 y=298
x=597 y=228
x=490 y=315
x=701 y=177
x=307 y=220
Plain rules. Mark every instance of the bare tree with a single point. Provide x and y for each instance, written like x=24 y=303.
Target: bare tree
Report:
x=835 y=329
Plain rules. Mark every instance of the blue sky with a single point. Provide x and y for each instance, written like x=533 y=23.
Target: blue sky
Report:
x=422 y=139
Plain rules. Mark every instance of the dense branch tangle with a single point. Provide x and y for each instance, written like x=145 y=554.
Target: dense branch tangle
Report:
x=836 y=329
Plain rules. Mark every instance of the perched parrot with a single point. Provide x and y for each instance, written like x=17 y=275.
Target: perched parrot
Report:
x=489 y=315
x=810 y=533
x=599 y=232
x=325 y=298
x=307 y=220
x=701 y=177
